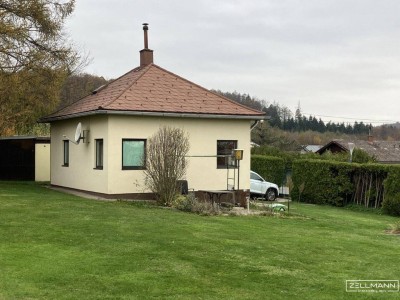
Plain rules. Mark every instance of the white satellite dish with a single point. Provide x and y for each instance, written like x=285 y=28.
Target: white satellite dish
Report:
x=78 y=133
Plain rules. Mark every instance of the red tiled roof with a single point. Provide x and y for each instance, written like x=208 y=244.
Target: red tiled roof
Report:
x=152 y=89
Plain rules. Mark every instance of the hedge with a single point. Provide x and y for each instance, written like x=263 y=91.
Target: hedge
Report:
x=391 y=203
x=336 y=183
x=270 y=168
x=322 y=182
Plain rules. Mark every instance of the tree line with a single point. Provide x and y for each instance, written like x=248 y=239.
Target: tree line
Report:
x=283 y=118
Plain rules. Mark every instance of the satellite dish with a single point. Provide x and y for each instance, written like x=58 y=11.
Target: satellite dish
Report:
x=78 y=133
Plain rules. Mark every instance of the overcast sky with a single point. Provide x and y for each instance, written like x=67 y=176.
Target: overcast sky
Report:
x=338 y=58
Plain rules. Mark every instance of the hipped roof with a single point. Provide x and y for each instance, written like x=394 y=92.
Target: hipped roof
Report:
x=152 y=90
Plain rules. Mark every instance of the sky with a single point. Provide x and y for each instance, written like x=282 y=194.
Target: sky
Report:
x=335 y=59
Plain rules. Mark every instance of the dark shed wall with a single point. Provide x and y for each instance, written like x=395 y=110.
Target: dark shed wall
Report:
x=17 y=159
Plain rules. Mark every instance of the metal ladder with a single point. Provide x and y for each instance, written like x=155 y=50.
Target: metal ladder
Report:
x=229 y=177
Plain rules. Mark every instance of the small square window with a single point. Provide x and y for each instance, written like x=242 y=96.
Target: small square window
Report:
x=224 y=148
x=99 y=154
x=133 y=154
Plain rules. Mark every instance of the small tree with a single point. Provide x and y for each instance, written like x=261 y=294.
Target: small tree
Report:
x=166 y=162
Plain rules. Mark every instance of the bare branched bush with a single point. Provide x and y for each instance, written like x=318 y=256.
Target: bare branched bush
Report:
x=166 y=163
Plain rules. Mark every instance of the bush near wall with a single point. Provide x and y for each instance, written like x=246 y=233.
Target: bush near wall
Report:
x=270 y=168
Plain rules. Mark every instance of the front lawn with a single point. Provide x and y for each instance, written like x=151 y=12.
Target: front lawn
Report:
x=58 y=246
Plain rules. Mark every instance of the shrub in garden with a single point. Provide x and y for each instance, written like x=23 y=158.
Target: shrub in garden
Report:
x=166 y=162
x=183 y=202
x=395 y=228
x=391 y=205
x=190 y=203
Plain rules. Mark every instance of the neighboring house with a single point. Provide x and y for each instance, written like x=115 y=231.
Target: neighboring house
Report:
x=387 y=152
x=25 y=158
x=310 y=148
x=118 y=118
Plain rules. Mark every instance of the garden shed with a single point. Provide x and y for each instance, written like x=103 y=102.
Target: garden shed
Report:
x=25 y=158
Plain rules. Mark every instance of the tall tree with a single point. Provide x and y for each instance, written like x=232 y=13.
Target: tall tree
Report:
x=25 y=96
x=35 y=58
x=297 y=114
x=31 y=35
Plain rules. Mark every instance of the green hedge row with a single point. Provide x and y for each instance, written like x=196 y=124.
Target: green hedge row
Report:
x=321 y=182
x=335 y=183
x=270 y=168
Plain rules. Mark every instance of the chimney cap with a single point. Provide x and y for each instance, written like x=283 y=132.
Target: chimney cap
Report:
x=146 y=55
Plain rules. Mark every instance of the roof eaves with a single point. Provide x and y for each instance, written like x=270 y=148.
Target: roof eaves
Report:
x=153 y=114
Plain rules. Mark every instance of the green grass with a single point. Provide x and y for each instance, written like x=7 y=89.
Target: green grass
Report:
x=58 y=246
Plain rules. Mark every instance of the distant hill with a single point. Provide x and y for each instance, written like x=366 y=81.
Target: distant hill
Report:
x=78 y=86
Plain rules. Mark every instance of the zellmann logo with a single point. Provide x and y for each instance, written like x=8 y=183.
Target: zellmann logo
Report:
x=372 y=286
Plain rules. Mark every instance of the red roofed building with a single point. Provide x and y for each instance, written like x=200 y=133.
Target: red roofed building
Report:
x=118 y=118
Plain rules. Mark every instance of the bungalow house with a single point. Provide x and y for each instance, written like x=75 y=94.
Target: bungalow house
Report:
x=118 y=118
x=385 y=152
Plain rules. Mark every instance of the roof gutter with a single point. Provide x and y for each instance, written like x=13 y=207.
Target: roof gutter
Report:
x=153 y=114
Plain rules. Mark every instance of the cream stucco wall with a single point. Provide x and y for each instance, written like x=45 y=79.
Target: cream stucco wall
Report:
x=42 y=162
x=81 y=173
x=202 y=172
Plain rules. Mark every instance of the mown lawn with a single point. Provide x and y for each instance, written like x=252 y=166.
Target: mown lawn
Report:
x=58 y=246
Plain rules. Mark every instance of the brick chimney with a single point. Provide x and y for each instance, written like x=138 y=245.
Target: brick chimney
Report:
x=146 y=55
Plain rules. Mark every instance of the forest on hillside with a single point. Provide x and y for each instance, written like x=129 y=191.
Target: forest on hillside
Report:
x=290 y=130
x=78 y=86
x=283 y=118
